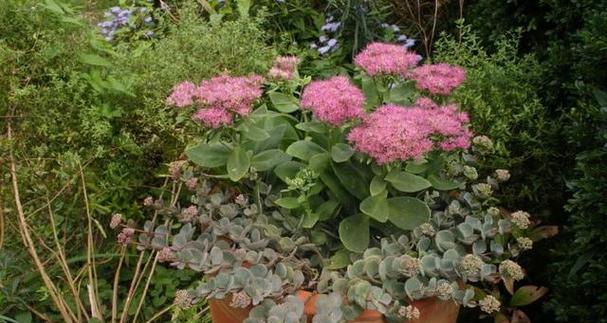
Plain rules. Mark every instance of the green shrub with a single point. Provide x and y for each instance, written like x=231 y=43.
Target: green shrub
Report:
x=579 y=290
x=500 y=94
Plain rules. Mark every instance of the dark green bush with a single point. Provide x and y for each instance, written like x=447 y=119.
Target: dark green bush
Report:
x=500 y=94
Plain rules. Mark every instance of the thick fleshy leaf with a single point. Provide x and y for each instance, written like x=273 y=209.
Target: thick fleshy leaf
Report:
x=287 y=170
x=283 y=102
x=377 y=185
x=442 y=184
x=407 y=212
x=253 y=132
x=352 y=179
x=238 y=164
x=339 y=260
x=354 y=232
x=312 y=126
x=303 y=149
x=319 y=162
x=407 y=182
x=417 y=166
x=527 y=295
x=341 y=152
x=376 y=207
x=287 y=202
x=326 y=210
x=269 y=159
x=209 y=155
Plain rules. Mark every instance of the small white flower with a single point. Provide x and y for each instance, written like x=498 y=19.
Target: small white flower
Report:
x=521 y=219
x=471 y=265
x=511 y=269
x=502 y=175
x=409 y=312
x=427 y=229
x=525 y=243
x=489 y=304
x=410 y=266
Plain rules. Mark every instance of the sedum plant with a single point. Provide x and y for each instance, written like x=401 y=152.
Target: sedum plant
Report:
x=386 y=159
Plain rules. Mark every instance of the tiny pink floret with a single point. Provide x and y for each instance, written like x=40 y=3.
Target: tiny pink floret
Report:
x=396 y=133
x=384 y=58
x=438 y=79
x=334 y=101
x=182 y=95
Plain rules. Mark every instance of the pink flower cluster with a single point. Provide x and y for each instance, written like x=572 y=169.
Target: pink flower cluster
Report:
x=394 y=132
x=219 y=98
x=334 y=100
x=284 y=67
x=438 y=78
x=182 y=95
x=383 y=58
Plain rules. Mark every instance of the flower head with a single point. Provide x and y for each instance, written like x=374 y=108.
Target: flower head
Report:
x=394 y=133
x=213 y=117
x=284 y=67
x=470 y=265
x=409 y=312
x=525 y=243
x=511 y=269
x=410 y=266
x=230 y=93
x=520 y=219
x=183 y=299
x=383 y=58
x=182 y=95
x=116 y=220
x=333 y=101
x=489 y=304
x=438 y=78
x=502 y=175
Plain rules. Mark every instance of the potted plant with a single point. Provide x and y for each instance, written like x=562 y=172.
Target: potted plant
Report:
x=332 y=201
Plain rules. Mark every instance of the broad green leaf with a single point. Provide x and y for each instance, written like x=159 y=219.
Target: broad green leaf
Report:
x=93 y=59
x=378 y=185
x=417 y=166
x=283 y=102
x=325 y=211
x=442 y=184
x=341 y=152
x=332 y=182
x=527 y=295
x=354 y=232
x=352 y=179
x=269 y=159
x=287 y=170
x=209 y=155
x=341 y=259
x=312 y=126
x=303 y=149
x=376 y=207
x=253 y=132
x=238 y=164
x=408 y=213
x=310 y=219
x=287 y=202
x=406 y=182
x=372 y=98
x=319 y=162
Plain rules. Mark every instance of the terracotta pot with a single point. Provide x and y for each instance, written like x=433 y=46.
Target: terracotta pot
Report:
x=431 y=311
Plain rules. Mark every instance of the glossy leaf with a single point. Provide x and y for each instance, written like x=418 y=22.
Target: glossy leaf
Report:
x=377 y=185
x=527 y=295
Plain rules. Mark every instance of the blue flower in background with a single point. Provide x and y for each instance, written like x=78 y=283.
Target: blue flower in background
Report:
x=118 y=18
x=327 y=43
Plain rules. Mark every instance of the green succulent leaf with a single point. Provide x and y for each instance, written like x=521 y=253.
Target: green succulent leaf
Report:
x=269 y=159
x=341 y=152
x=319 y=162
x=376 y=207
x=352 y=179
x=238 y=164
x=312 y=126
x=288 y=202
x=527 y=295
x=407 y=182
x=283 y=102
x=288 y=170
x=407 y=212
x=417 y=166
x=209 y=155
x=442 y=184
x=304 y=149
x=377 y=186
x=354 y=232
